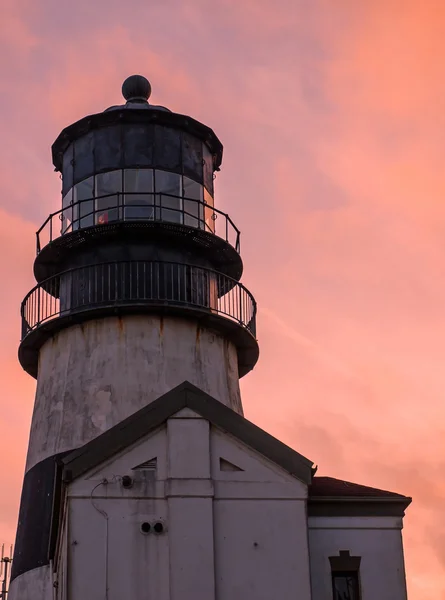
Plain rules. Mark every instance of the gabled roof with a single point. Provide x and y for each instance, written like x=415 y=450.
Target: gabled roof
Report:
x=147 y=419
x=327 y=496
x=328 y=486
x=335 y=497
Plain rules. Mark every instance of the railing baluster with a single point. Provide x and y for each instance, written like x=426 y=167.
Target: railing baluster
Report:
x=81 y=215
x=144 y=282
x=115 y=282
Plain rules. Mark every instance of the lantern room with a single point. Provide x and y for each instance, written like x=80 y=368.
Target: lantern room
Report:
x=137 y=162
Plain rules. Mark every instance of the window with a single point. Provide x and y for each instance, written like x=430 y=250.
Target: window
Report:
x=138 y=194
x=168 y=196
x=83 y=211
x=208 y=168
x=345 y=576
x=210 y=215
x=193 y=207
x=108 y=188
x=67 y=214
x=345 y=585
x=139 y=198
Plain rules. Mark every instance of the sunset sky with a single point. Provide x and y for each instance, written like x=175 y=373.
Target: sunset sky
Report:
x=332 y=116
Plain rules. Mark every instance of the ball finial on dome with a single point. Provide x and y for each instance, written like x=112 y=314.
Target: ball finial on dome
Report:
x=136 y=88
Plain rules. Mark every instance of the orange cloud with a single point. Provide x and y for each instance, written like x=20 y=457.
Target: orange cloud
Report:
x=331 y=114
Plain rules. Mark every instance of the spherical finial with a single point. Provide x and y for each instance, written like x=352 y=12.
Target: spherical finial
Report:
x=136 y=89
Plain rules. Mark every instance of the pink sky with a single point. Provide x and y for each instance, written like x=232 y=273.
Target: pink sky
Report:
x=332 y=116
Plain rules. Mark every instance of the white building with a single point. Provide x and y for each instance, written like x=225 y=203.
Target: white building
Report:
x=143 y=478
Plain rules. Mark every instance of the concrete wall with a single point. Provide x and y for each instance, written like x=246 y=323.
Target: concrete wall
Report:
x=378 y=540
x=234 y=523
x=95 y=375
x=33 y=585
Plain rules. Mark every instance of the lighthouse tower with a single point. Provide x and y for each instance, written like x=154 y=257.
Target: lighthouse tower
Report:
x=143 y=479
x=137 y=284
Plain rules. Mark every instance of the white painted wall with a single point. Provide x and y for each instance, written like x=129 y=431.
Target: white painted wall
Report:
x=230 y=534
x=92 y=376
x=378 y=540
x=235 y=528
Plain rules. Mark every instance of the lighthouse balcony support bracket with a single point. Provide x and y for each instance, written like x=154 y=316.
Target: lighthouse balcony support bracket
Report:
x=139 y=287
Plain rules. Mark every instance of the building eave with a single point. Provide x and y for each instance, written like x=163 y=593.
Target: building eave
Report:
x=344 y=506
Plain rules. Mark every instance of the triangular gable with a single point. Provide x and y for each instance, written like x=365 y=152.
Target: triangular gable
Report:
x=156 y=413
x=232 y=460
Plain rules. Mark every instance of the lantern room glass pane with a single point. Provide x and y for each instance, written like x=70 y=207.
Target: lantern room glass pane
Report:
x=67 y=214
x=209 y=214
x=138 y=194
x=207 y=160
x=192 y=157
x=193 y=203
x=138 y=145
x=67 y=169
x=167 y=148
x=108 y=148
x=84 y=204
x=108 y=191
x=83 y=157
x=168 y=196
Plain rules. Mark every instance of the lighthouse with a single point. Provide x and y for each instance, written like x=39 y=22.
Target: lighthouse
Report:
x=143 y=478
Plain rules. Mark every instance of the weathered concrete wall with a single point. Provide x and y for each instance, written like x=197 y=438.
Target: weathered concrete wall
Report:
x=35 y=584
x=377 y=540
x=94 y=375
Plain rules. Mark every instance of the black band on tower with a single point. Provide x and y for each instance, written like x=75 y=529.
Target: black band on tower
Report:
x=32 y=546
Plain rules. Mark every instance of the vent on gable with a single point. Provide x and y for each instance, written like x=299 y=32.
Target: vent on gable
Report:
x=148 y=465
x=225 y=465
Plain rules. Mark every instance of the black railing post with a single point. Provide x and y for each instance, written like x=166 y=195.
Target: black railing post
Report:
x=38 y=305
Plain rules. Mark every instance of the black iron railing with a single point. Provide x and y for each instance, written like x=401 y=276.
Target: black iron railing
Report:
x=137 y=283
x=138 y=207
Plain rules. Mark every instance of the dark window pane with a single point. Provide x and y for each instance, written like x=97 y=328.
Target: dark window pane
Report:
x=67 y=169
x=192 y=189
x=83 y=157
x=83 y=197
x=345 y=586
x=193 y=206
x=138 y=145
x=168 y=200
x=108 y=189
x=139 y=197
x=192 y=157
x=108 y=148
x=208 y=168
x=167 y=148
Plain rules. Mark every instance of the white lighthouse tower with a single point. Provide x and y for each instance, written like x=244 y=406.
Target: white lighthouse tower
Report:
x=143 y=478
